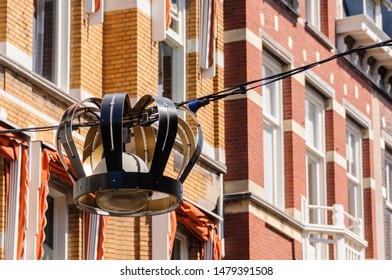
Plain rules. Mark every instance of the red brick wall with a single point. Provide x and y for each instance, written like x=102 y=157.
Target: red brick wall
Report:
x=249 y=237
x=237 y=236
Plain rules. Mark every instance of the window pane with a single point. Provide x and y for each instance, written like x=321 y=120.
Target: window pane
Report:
x=310 y=124
x=312 y=12
x=313 y=188
x=354 y=156
x=386 y=20
x=352 y=201
x=389 y=180
x=352 y=146
x=269 y=162
x=352 y=7
x=176 y=252
x=44 y=39
x=165 y=70
x=270 y=93
x=371 y=9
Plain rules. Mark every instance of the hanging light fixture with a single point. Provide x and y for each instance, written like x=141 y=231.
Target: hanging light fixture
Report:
x=125 y=152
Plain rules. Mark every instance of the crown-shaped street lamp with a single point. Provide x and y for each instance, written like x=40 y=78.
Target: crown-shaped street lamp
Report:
x=126 y=149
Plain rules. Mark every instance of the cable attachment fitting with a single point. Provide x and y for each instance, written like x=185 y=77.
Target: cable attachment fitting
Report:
x=196 y=104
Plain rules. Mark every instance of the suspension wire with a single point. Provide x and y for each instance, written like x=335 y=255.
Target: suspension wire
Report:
x=241 y=88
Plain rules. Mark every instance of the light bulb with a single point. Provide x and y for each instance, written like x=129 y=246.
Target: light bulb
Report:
x=122 y=201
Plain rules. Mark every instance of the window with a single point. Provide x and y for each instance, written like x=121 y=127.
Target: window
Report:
x=388 y=212
x=315 y=155
x=313 y=13
x=386 y=15
x=292 y=4
x=56 y=229
x=51 y=41
x=272 y=135
x=388 y=176
x=354 y=169
x=380 y=12
x=172 y=56
x=315 y=169
x=180 y=246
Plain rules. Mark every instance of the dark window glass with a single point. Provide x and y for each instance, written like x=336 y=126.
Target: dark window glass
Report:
x=386 y=20
x=352 y=7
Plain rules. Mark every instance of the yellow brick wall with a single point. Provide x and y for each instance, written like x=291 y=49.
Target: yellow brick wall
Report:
x=128 y=239
x=3 y=21
x=131 y=59
x=16 y=21
x=37 y=98
x=86 y=52
x=210 y=116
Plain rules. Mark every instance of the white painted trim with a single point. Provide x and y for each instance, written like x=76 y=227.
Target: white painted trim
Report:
x=93 y=234
x=213 y=153
x=369 y=183
x=368 y=134
x=243 y=186
x=333 y=156
x=160 y=233
x=95 y=17
x=220 y=59
x=270 y=43
x=322 y=86
x=243 y=34
x=251 y=95
x=332 y=104
x=61 y=228
x=17 y=55
x=192 y=45
x=1 y=240
x=276 y=222
x=292 y=125
x=382 y=143
x=80 y=94
x=116 y=5
x=208 y=150
x=12 y=219
x=35 y=185
x=220 y=155
x=363 y=120
x=300 y=78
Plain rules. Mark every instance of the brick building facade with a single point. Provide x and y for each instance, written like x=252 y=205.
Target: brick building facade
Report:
x=56 y=53
x=310 y=175
x=298 y=169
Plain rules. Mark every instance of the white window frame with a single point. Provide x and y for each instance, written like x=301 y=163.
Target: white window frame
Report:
x=355 y=196
x=317 y=153
x=183 y=240
x=388 y=181
x=177 y=42
x=274 y=194
x=388 y=201
x=60 y=223
x=61 y=56
x=313 y=13
x=60 y=195
x=377 y=13
x=12 y=219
